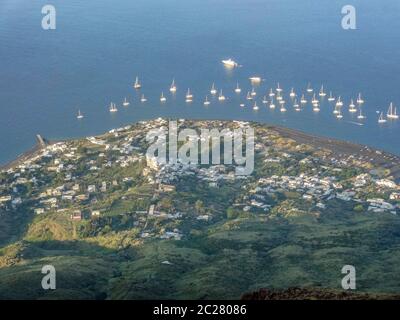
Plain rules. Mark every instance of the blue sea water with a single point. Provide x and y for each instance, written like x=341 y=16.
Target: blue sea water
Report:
x=99 y=47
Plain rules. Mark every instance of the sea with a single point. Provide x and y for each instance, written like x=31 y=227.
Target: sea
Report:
x=100 y=46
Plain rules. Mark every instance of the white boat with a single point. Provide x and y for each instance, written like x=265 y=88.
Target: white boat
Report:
x=137 y=84
x=255 y=79
x=253 y=92
x=381 y=118
x=279 y=97
x=281 y=102
x=172 y=88
x=295 y=104
x=339 y=102
x=339 y=115
x=314 y=99
x=272 y=105
x=322 y=93
x=80 y=115
x=255 y=107
x=221 y=97
x=360 y=115
x=238 y=90
x=125 y=103
x=265 y=100
x=316 y=108
x=271 y=93
x=206 y=102
x=230 y=63
x=113 y=107
x=309 y=88
x=189 y=95
x=292 y=93
x=242 y=105
x=336 y=110
x=283 y=109
x=360 y=100
x=143 y=98
x=352 y=107
x=303 y=99
x=213 y=90
x=331 y=98
x=392 y=112
x=162 y=98
x=249 y=97
x=278 y=88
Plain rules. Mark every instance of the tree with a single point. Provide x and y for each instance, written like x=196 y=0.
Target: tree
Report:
x=199 y=206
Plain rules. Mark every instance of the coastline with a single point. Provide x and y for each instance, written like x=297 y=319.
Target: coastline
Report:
x=339 y=147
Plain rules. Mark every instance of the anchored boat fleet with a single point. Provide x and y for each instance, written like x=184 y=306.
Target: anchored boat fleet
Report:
x=299 y=102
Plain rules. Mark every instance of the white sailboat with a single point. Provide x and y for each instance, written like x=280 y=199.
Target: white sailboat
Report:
x=303 y=99
x=253 y=92
x=272 y=105
x=278 y=88
x=292 y=93
x=381 y=118
x=360 y=115
x=316 y=107
x=314 y=99
x=271 y=93
x=206 y=102
x=189 y=96
x=242 y=105
x=309 y=88
x=137 y=84
x=352 y=107
x=283 y=109
x=163 y=98
x=360 y=100
x=339 y=102
x=113 y=107
x=255 y=80
x=230 y=63
x=392 y=112
x=143 y=98
x=279 y=97
x=249 y=97
x=238 y=90
x=125 y=103
x=336 y=110
x=295 y=104
x=221 y=97
x=255 y=107
x=172 y=88
x=213 y=90
x=322 y=93
x=339 y=115
x=282 y=102
x=80 y=115
x=265 y=100
x=331 y=98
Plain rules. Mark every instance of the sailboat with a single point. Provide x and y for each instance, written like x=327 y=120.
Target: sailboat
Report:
x=360 y=115
x=113 y=107
x=230 y=63
x=238 y=90
x=271 y=93
x=331 y=98
x=360 y=100
x=316 y=107
x=282 y=102
x=265 y=100
x=283 y=109
x=253 y=92
x=221 y=96
x=336 y=110
x=255 y=107
x=309 y=88
x=137 y=84
x=279 y=97
x=322 y=93
x=352 y=107
x=339 y=102
x=272 y=105
x=125 y=103
x=163 y=98
x=392 y=112
x=278 y=88
x=339 y=115
x=189 y=96
x=314 y=99
x=143 y=98
x=303 y=99
x=292 y=93
x=206 y=102
x=295 y=104
x=80 y=115
x=173 y=86
x=213 y=90
x=249 y=97
x=381 y=118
